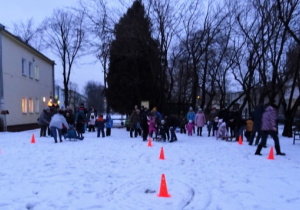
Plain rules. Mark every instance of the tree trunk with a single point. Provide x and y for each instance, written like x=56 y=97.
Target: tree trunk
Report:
x=288 y=127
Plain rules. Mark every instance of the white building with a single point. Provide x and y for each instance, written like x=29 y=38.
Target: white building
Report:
x=26 y=82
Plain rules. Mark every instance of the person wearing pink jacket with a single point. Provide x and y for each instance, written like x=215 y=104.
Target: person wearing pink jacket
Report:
x=269 y=127
x=189 y=128
x=200 y=121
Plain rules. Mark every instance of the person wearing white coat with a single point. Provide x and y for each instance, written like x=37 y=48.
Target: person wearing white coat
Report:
x=56 y=125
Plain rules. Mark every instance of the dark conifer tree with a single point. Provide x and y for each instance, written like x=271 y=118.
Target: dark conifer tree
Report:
x=134 y=64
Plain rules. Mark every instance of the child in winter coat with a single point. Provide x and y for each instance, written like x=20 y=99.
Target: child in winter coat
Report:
x=222 y=132
x=162 y=130
x=152 y=125
x=189 y=128
x=92 y=121
x=71 y=134
x=100 y=126
x=249 y=126
x=216 y=126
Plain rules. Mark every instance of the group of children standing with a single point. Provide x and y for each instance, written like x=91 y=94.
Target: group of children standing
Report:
x=215 y=124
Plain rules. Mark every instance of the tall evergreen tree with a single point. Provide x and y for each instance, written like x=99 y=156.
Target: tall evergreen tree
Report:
x=134 y=65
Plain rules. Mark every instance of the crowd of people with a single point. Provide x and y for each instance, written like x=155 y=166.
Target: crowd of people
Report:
x=224 y=124
x=60 y=123
x=151 y=123
x=229 y=125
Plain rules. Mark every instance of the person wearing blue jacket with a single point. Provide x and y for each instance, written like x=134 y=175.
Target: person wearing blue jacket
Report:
x=191 y=116
x=108 y=124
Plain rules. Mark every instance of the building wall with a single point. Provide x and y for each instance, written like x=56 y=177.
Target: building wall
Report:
x=16 y=85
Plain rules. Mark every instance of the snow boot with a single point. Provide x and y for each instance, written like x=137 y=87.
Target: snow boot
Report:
x=259 y=147
x=278 y=152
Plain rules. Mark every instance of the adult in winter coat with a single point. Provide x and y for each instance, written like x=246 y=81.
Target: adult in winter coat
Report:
x=200 y=121
x=256 y=117
x=144 y=123
x=69 y=115
x=232 y=122
x=269 y=127
x=44 y=121
x=80 y=121
x=134 y=122
x=108 y=124
x=56 y=125
x=211 y=118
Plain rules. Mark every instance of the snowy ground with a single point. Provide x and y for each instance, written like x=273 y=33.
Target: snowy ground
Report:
x=119 y=172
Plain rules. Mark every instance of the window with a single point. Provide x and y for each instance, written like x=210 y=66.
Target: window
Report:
x=30 y=105
x=30 y=70
x=37 y=105
x=36 y=72
x=24 y=105
x=23 y=67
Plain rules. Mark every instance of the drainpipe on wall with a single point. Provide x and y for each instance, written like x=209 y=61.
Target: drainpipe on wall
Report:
x=53 y=83
x=2 y=104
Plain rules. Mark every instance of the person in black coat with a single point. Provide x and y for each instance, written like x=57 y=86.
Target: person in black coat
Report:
x=233 y=123
x=144 y=123
x=173 y=123
x=256 y=117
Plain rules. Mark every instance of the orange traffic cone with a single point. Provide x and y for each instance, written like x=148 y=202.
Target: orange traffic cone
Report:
x=163 y=192
x=162 y=156
x=32 y=139
x=271 y=154
x=240 y=140
x=149 y=142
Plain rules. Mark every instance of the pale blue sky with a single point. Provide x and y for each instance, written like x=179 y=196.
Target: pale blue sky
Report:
x=14 y=11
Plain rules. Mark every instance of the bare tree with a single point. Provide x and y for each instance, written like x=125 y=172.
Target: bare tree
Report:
x=28 y=33
x=65 y=36
x=192 y=42
x=166 y=19
x=100 y=24
x=289 y=15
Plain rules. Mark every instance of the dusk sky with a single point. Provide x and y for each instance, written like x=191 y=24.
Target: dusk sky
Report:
x=87 y=69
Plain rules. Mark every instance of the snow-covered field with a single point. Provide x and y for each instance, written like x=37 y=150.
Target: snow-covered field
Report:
x=119 y=172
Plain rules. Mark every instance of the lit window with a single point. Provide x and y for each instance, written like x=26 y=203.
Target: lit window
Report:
x=37 y=105
x=36 y=72
x=23 y=67
x=30 y=70
x=24 y=105
x=30 y=105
